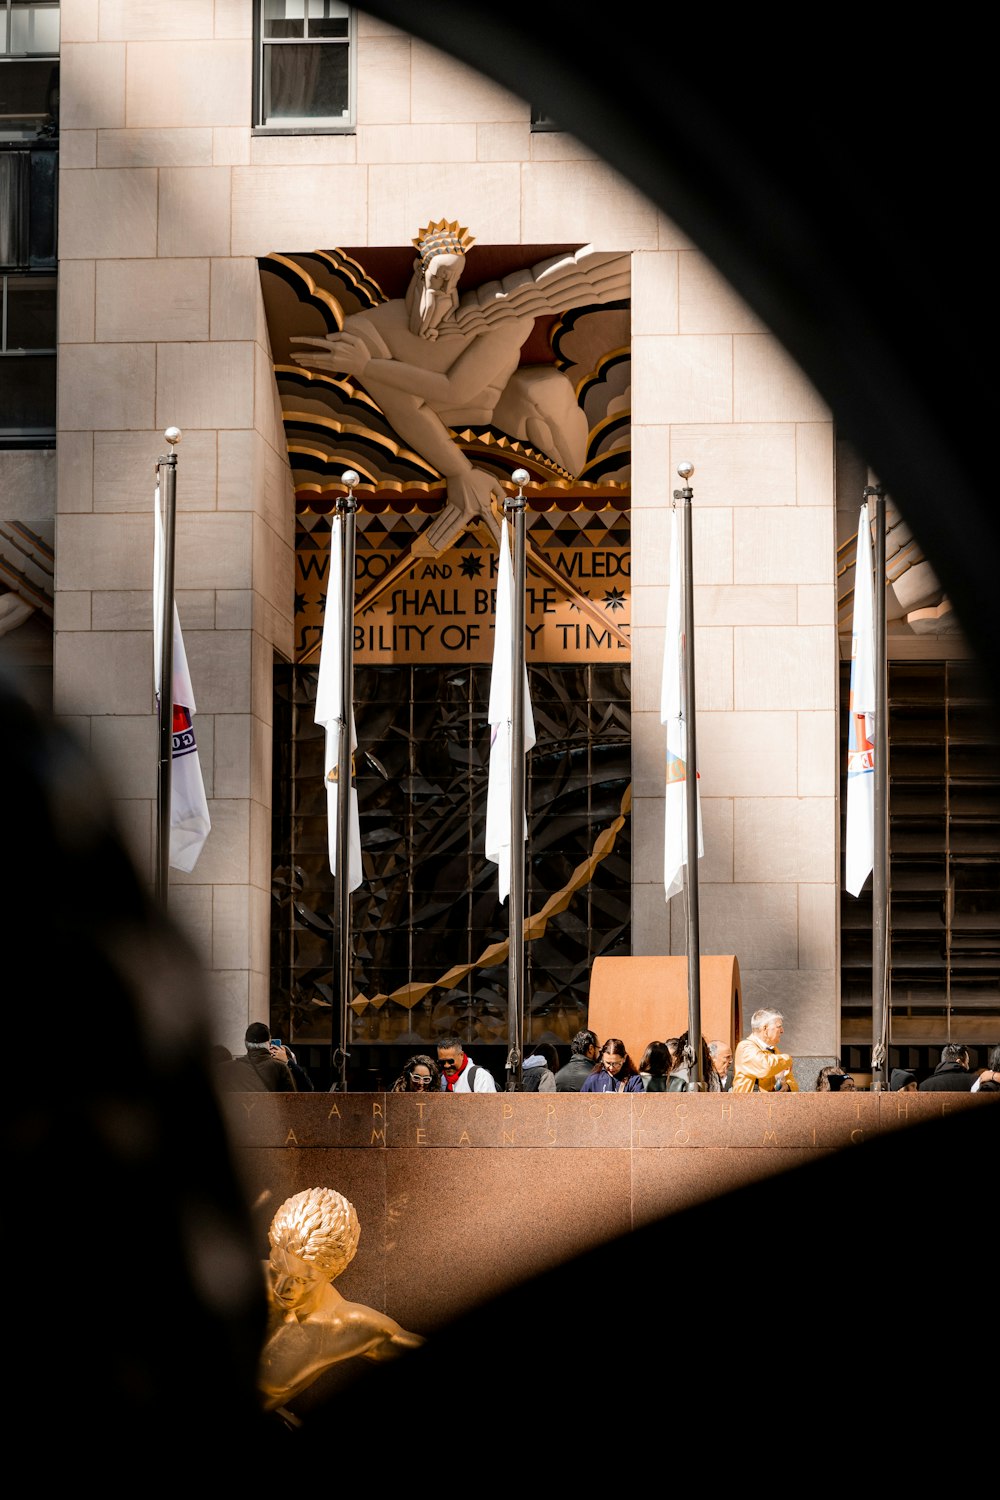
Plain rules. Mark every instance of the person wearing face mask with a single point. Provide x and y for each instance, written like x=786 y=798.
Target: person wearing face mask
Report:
x=420 y=1074
x=614 y=1072
x=758 y=1064
x=461 y=1075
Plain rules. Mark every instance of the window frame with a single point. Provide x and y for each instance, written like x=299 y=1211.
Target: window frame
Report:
x=16 y=435
x=7 y=8
x=321 y=125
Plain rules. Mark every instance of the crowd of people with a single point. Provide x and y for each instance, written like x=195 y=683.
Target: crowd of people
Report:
x=758 y=1065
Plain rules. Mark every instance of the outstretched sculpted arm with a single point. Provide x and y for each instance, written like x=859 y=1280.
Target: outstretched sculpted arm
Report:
x=395 y=1342
x=408 y=396
x=417 y=397
x=462 y=368
x=488 y=357
x=296 y=1352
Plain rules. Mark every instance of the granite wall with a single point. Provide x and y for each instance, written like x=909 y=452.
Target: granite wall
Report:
x=461 y=1196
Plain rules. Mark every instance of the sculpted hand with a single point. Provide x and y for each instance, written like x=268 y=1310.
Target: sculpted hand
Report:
x=341 y=353
x=469 y=497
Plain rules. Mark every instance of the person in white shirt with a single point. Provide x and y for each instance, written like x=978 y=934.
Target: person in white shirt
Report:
x=459 y=1073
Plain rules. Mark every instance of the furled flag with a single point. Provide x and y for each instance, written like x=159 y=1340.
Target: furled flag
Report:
x=329 y=708
x=673 y=715
x=501 y=714
x=189 y=821
x=861 y=719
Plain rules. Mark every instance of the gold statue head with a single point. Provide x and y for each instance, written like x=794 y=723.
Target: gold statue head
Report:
x=318 y=1227
x=442 y=238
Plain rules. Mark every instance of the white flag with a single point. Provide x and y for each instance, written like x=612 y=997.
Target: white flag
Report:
x=190 y=824
x=861 y=723
x=501 y=715
x=329 y=707
x=673 y=715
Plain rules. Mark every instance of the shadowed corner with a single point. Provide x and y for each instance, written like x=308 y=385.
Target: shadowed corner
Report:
x=138 y=1308
x=688 y=1317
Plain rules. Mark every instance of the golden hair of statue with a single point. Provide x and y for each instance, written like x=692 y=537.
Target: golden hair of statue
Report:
x=314 y=1237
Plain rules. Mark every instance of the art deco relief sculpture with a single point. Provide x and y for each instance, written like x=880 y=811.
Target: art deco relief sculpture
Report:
x=314 y=1237
x=436 y=360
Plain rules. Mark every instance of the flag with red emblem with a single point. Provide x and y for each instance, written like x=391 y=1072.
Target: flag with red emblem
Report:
x=190 y=824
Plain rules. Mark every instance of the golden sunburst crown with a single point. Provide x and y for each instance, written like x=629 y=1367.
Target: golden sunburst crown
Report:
x=442 y=238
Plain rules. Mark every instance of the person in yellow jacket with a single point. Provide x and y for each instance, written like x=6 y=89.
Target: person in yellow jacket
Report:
x=758 y=1064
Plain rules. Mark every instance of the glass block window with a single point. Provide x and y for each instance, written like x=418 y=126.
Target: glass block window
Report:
x=428 y=907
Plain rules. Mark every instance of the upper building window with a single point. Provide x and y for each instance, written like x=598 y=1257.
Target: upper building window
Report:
x=304 y=65
x=27 y=360
x=29 y=69
x=30 y=28
x=541 y=119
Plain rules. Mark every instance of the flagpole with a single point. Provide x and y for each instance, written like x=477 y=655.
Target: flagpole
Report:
x=696 y=1070
x=347 y=507
x=880 y=881
x=166 y=474
x=515 y=999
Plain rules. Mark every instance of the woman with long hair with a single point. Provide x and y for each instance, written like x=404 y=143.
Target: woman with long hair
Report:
x=614 y=1072
x=680 y=1079
x=655 y=1067
x=420 y=1075
x=832 y=1079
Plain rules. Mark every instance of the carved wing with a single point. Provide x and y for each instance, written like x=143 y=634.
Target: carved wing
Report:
x=552 y=286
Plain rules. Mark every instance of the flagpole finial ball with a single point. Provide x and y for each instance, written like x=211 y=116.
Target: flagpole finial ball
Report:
x=520 y=476
x=173 y=435
x=685 y=470
x=351 y=477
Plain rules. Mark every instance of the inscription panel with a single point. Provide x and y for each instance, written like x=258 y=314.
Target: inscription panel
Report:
x=307 y=1121
x=795 y=1122
x=517 y=1183
x=569 y=1121
x=681 y=1120
x=899 y=1110
x=511 y=1121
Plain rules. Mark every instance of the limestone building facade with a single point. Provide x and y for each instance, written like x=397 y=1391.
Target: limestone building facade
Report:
x=169 y=193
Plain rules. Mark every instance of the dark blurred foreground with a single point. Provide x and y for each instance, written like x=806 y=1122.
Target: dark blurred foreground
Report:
x=136 y=1290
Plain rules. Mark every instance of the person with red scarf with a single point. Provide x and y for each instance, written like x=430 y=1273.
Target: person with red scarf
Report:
x=460 y=1075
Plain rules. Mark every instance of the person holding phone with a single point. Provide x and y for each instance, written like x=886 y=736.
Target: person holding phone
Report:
x=303 y=1083
x=263 y=1069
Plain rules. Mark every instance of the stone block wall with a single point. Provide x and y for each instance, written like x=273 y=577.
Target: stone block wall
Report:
x=166 y=199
